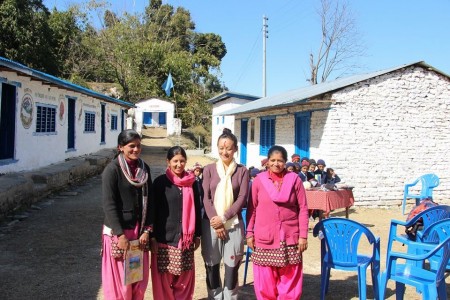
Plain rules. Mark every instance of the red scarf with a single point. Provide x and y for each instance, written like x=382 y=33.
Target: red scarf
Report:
x=185 y=182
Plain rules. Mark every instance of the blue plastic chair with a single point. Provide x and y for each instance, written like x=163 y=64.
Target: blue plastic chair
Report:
x=248 y=252
x=434 y=235
x=430 y=283
x=429 y=216
x=339 y=250
x=428 y=182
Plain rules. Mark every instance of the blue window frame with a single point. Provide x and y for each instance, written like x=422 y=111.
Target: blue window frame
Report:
x=46 y=118
x=267 y=135
x=223 y=119
x=89 y=121
x=217 y=121
x=113 y=122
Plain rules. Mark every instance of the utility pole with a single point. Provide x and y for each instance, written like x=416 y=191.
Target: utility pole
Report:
x=265 y=36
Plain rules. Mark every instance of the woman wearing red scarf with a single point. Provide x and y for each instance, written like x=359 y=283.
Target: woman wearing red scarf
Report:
x=175 y=216
x=125 y=185
x=277 y=229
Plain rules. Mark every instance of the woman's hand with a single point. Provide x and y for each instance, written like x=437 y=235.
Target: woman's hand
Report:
x=123 y=244
x=251 y=243
x=216 y=222
x=302 y=245
x=196 y=243
x=221 y=233
x=143 y=239
x=153 y=246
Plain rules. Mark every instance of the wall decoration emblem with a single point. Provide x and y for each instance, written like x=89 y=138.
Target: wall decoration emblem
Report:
x=62 y=110
x=26 y=110
x=80 y=113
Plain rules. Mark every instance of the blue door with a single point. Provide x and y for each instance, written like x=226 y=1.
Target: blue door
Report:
x=162 y=118
x=302 y=133
x=102 y=136
x=244 y=133
x=71 y=123
x=147 y=118
x=122 y=119
x=8 y=120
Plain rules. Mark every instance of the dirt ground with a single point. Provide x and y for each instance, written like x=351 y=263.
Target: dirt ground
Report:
x=53 y=252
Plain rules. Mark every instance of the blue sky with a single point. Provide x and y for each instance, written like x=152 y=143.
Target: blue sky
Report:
x=393 y=32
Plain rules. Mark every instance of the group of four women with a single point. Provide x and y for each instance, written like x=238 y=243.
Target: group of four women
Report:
x=167 y=216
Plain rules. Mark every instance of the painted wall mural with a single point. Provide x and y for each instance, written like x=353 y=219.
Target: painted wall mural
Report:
x=62 y=110
x=26 y=109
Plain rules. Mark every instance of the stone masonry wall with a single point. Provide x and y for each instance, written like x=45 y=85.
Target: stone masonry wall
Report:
x=378 y=134
x=385 y=132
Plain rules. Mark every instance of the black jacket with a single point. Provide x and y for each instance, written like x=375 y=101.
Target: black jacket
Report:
x=122 y=202
x=166 y=211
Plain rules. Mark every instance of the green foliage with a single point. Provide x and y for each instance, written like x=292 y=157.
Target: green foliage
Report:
x=25 y=34
x=134 y=51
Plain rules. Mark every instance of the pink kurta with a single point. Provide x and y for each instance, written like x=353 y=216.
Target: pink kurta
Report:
x=277 y=217
x=113 y=273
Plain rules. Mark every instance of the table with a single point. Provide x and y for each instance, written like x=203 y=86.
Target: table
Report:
x=327 y=201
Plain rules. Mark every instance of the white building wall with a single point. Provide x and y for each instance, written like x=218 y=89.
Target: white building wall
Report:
x=34 y=150
x=155 y=106
x=378 y=135
x=220 y=122
x=391 y=129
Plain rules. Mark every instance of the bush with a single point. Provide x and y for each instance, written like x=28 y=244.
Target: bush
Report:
x=194 y=132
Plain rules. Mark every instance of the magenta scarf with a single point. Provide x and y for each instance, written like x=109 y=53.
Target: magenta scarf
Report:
x=287 y=185
x=188 y=219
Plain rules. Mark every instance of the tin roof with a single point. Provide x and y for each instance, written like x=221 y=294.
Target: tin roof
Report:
x=19 y=68
x=304 y=94
x=226 y=95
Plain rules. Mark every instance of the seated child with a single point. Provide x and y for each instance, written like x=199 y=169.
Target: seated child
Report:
x=295 y=158
x=290 y=166
x=320 y=171
x=331 y=177
x=304 y=171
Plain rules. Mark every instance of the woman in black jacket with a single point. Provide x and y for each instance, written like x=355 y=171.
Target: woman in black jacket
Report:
x=176 y=224
x=126 y=183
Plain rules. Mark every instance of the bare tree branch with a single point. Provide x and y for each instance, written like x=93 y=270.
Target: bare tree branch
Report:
x=340 y=45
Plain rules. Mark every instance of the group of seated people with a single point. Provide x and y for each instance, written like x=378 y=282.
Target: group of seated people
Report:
x=308 y=170
x=312 y=171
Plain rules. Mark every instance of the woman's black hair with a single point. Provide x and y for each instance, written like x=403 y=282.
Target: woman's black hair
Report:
x=277 y=148
x=175 y=150
x=227 y=134
x=126 y=137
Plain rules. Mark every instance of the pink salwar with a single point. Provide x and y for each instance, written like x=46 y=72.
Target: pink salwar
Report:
x=172 y=287
x=274 y=283
x=112 y=273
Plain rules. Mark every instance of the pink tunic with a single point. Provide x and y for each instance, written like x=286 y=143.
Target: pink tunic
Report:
x=274 y=216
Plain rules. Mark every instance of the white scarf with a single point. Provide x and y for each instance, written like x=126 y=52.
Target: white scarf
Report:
x=223 y=197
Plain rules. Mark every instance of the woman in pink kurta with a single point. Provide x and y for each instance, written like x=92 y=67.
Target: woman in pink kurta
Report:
x=277 y=229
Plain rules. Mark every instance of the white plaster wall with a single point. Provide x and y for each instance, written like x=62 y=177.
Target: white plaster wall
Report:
x=224 y=121
x=155 y=106
x=34 y=150
x=377 y=135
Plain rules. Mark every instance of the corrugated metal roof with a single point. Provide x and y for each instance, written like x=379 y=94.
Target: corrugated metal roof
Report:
x=225 y=95
x=304 y=94
x=60 y=82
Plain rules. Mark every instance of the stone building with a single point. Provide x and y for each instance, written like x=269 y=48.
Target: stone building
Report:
x=378 y=130
x=45 y=120
x=220 y=103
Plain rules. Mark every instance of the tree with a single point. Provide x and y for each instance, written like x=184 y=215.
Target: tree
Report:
x=340 y=43
x=25 y=35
